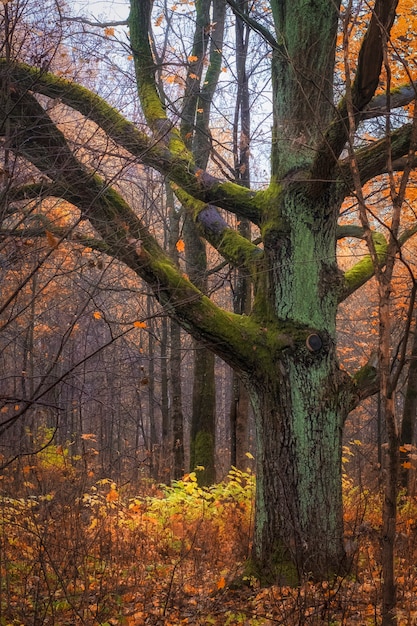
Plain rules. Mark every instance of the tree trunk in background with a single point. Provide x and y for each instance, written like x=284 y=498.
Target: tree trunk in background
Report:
x=391 y=461
x=239 y=407
x=202 y=436
x=149 y=383
x=207 y=47
x=165 y=456
x=240 y=401
x=239 y=432
x=176 y=413
x=203 y=424
x=409 y=413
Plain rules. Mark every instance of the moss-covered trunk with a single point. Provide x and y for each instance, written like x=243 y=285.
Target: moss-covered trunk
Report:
x=299 y=523
x=298 y=397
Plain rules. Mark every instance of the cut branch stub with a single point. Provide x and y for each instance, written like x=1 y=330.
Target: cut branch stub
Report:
x=314 y=342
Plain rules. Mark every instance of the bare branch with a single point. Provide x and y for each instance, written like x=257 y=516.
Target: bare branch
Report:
x=94 y=23
x=175 y=165
x=372 y=160
x=254 y=25
x=399 y=97
x=363 y=89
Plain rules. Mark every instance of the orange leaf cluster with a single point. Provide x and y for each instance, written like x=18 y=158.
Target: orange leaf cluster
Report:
x=180 y=245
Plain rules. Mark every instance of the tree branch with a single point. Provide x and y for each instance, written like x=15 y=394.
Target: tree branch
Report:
x=234 y=248
x=176 y=166
x=254 y=25
x=371 y=53
x=128 y=240
x=398 y=97
x=366 y=81
x=364 y=269
x=372 y=160
x=145 y=68
x=366 y=381
x=95 y=23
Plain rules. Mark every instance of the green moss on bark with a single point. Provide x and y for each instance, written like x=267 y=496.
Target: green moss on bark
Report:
x=202 y=455
x=282 y=570
x=362 y=271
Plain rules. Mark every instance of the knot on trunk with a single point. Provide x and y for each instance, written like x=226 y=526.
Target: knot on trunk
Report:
x=314 y=342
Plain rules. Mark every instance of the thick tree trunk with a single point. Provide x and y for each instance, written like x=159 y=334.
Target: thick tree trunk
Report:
x=299 y=400
x=299 y=530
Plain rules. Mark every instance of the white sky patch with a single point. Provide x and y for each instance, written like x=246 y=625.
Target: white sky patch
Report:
x=104 y=10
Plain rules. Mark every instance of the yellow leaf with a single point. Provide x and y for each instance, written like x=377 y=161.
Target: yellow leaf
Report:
x=97 y=315
x=180 y=245
x=249 y=455
x=140 y=324
x=192 y=58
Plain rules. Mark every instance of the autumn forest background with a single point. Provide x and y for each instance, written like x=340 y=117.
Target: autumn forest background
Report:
x=127 y=451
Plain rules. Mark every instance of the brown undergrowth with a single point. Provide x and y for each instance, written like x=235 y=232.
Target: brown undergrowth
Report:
x=78 y=551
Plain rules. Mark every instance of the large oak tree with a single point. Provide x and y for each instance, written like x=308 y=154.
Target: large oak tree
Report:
x=285 y=349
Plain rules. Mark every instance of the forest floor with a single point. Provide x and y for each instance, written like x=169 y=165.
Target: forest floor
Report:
x=91 y=552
